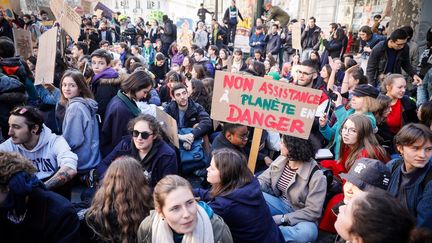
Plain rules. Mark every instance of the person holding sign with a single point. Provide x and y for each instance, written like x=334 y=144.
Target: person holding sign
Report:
x=295 y=190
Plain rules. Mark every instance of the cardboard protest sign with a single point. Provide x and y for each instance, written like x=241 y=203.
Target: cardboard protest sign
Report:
x=87 y=6
x=296 y=36
x=107 y=12
x=264 y=103
x=23 y=42
x=50 y=13
x=46 y=57
x=169 y=125
x=69 y=20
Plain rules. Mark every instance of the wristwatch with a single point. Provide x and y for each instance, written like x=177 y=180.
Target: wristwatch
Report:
x=283 y=219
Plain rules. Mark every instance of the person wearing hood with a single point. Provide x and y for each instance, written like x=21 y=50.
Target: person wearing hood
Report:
x=106 y=82
x=51 y=155
x=236 y=197
x=147 y=145
x=80 y=126
x=123 y=108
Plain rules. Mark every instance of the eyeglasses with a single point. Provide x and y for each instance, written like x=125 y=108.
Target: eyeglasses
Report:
x=244 y=136
x=349 y=130
x=144 y=135
x=304 y=73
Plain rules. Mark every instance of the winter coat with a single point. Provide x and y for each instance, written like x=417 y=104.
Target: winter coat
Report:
x=377 y=63
x=273 y=44
x=149 y=55
x=169 y=35
x=278 y=14
x=160 y=161
x=50 y=153
x=334 y=48
x=310 y=38
x=195 y=114
x=245 y=212
x=257 y=42
x=81 y=131
x=49 y=218
x=418 y=196
x=105 y=86
x=307 y=199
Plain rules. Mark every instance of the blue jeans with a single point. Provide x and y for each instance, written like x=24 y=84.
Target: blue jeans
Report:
x=301 y=232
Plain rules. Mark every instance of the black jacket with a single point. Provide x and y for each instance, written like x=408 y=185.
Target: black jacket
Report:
x=377 y=63
x=108 y=36
x=310 y=38
x=169 y=35
x=195 y=114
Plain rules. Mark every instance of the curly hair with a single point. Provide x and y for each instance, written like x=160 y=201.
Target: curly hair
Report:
x=299 y=149
x=121 y=203
x=153 y=124
x=12 y=163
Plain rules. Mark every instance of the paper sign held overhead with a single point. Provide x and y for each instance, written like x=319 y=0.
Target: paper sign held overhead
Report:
x=23 y=43
x=46 y=57
x=264 y=103
x=69 y=20
x=296 y=36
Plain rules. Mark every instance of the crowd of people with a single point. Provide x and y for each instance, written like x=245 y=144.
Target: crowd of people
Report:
x=87 y=159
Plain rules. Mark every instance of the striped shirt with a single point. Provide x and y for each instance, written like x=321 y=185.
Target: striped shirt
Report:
x=287 y=175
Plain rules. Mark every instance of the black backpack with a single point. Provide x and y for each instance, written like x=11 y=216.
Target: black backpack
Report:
x=334 y=184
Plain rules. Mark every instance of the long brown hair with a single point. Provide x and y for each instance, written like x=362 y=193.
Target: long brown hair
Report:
x=121 y=203
x=79 y=79
x=233 y=170
x=365 y=140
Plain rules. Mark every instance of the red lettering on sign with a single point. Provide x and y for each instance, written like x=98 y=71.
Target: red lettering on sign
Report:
x=238 y=82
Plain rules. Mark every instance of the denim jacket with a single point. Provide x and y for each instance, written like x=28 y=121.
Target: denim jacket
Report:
x=419 y=199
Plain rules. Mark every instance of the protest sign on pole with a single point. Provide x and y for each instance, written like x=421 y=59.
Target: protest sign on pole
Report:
x=69 y=20
x=169 y=126
x=46 y=57
x=296 y=36
x=23 y=43
x=258 y=102
x=107 y=12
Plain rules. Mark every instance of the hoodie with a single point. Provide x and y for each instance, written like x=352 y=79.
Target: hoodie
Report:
x=245 y=212
x=81 y=131
x=50 y=153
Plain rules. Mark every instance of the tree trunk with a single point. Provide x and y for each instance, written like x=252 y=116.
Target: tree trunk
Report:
x=404 y=13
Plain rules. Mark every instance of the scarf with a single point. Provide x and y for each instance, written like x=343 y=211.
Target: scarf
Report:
x=203 y=232
x=129 y=103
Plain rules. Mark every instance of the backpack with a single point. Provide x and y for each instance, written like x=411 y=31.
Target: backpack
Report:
x=334 y=184
x=193 y=159
x=426 y=179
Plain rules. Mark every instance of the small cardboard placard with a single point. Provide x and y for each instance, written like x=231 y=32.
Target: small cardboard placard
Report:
x=23 y=43
x=264 y=103
x=107 y=12
x=46 y=57
x=296 y=36
x=69 y=20
x=169 y=125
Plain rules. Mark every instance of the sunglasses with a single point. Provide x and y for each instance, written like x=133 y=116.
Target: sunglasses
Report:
x=144 y=135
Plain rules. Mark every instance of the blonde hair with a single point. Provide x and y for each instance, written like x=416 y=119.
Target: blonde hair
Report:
x=389 y=80
x=165 y=186
x=12 y=163
x=370 y=104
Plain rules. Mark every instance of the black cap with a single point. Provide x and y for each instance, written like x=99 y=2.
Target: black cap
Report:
x=368 y=172
x=363 y=90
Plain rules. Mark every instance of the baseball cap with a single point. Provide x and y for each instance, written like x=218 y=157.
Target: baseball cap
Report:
x=363 y=90
x=367 y=172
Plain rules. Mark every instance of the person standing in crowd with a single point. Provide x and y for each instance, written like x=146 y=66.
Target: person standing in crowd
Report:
x=105 y=33
x=5 y=27
x=122 y=201
x=29 y=212
x=277 y=14
x=236 y=197
x=368 y=40
x=55 y=162
x=105 y=82
x=273 y=41
x=32 y=27
x=122 y=108
x=124 y=52
x=231 y=19
x=219 y=37
x=391 y=56
x=80 y=125
x=147 y=145
x=201 y=36
x=168 y=34
x=411 y=173
x=334 y=46
x=294 y=190
x=359 y=220
x=202 y=13
x=178 y=217
x=310 y=38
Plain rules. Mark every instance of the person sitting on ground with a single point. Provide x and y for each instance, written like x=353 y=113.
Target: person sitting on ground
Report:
x=188 y=114
x=159 y=68
x=122 y=201
x=294 y=190
x=178 y=217
x=147 y=145
x=236 y=196
x=411 y=174
x=27 y=209
x=359 y=220
x=56 y=164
